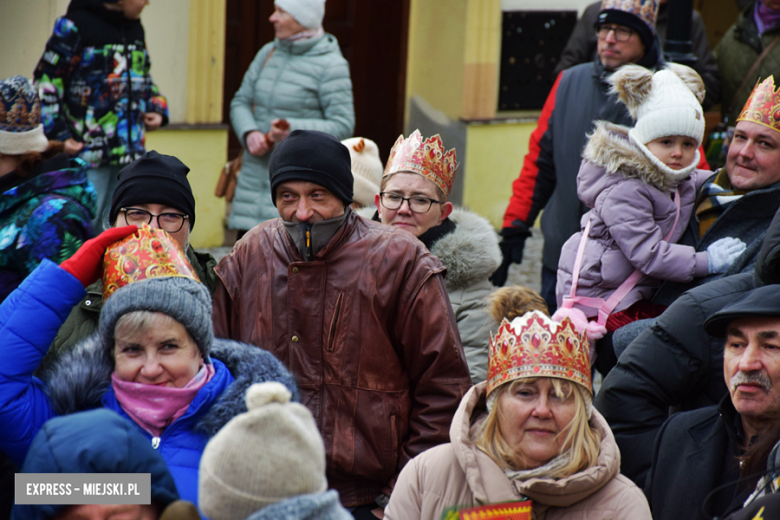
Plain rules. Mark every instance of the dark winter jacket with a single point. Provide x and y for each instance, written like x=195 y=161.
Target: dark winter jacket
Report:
x=83 y=319
x=80 y=380
x=696 y=452
x=548 y=179
x=632 y=212
x=581 y=47
x=95 y=441
x=747 y=219
x=94 y=66
x=46 y=216
x=674 y=363
x=736 y=52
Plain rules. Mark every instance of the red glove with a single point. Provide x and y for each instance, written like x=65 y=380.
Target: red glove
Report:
x=86 y=265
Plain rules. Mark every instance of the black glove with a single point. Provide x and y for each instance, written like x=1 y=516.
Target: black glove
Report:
x=512 y=246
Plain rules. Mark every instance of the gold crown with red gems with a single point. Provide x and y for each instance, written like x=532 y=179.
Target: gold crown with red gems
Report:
x=536 y=346
x=426 y=158
x=763 y=105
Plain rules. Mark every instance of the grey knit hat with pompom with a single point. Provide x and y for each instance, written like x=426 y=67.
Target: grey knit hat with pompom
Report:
x=270 y=453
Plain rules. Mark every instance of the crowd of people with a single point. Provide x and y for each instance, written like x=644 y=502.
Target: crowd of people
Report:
x=350 y=357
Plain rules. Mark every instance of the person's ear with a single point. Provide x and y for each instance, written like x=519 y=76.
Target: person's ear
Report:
x=378 y=205
x=446 y=210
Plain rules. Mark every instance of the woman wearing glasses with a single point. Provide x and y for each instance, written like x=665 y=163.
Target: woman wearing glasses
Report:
x=152 y=190
x=414 y=198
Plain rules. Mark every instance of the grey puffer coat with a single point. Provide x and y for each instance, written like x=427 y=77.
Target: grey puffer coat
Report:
x=307 y=83
x=632 y=211
x=470 y=254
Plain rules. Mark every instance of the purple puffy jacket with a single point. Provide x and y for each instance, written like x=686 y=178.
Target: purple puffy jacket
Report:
x=632 y=210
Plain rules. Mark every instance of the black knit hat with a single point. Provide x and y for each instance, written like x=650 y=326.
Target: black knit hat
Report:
x=154 y=179
x=307 y=155
x=761 y=302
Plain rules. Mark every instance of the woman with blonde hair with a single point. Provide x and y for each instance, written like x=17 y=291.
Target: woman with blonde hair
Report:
x=529 y=433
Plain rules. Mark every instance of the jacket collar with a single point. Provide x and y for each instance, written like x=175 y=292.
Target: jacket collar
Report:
x=46 y=180
x=299 y=46
x=320 y=234
x=470 y=251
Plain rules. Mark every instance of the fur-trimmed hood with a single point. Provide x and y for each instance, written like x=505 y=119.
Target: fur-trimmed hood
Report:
x=470 y=253
x=80 y=377
x=610 y=149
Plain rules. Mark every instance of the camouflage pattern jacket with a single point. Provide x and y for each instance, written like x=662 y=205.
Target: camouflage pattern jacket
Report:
x=94 y=84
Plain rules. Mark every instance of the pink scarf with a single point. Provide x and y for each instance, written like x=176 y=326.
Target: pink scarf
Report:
x=154 y=408
x=765 y=17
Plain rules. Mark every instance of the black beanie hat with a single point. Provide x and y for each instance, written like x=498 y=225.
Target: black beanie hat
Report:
x=307 y=155
x=154 y=179
x=629 y=20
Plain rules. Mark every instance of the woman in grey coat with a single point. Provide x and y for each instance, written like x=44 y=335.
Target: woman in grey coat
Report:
x=300 y=81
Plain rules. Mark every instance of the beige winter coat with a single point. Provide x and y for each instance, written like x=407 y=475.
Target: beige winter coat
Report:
x=460 y=474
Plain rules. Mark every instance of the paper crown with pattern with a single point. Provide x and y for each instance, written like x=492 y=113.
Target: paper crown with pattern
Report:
x=536 y=346
x=645 y=10
x=763 y=105
x=426 y=158
x=148 y=253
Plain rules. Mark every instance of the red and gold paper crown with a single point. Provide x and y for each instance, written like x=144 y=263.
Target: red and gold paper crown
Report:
x=149 y=253
x=763 y=105
x=426 y=158
x=536 y=346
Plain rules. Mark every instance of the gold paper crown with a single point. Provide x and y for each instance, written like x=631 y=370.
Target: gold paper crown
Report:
x=426 y=158
x=149 y=253
x=536 y=346
x=763 y=105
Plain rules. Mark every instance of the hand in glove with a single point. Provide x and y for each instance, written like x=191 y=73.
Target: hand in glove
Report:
x=86 y=265
x=512 y=246
x=722 y=253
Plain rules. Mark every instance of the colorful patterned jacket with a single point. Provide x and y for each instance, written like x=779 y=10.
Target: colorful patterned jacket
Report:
x=48 y=216
x=96 y=66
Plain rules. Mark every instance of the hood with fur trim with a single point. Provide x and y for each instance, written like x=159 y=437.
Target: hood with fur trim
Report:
x=80 y=377
x=610 y=149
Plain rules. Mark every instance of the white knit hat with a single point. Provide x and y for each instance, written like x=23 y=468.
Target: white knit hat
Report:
x=366 y=169
x=308 y=13
x=268 y=454
x=664 y=103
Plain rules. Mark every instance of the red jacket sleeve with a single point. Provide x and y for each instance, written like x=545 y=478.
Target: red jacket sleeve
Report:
x=529 y=196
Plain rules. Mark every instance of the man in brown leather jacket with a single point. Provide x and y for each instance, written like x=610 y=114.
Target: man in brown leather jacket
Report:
x=357 y=311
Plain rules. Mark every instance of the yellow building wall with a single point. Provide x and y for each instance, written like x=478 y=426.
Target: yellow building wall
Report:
x=204 y=151
x=494 y=157
x=435 y=59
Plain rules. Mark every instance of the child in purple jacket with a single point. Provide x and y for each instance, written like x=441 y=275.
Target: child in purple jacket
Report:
x=641 y=185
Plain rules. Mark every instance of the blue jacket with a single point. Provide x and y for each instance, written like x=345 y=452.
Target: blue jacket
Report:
x=80 y=380
x=97 y=441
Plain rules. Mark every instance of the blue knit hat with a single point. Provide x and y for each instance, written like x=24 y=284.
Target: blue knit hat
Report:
x=21 y=130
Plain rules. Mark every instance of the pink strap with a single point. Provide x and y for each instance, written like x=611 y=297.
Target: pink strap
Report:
x=606 y=307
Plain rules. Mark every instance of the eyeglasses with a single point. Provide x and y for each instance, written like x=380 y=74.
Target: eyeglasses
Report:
x=170 y=222
x=622 y=34
x=416 y=204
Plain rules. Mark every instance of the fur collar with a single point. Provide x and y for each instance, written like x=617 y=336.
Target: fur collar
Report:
x=609 y=146
x=470 y=253
x=80 y=377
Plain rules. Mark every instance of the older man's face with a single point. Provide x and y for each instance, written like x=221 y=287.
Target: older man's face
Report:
x=753 y=161
x=751 y=366
x=303 y=201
